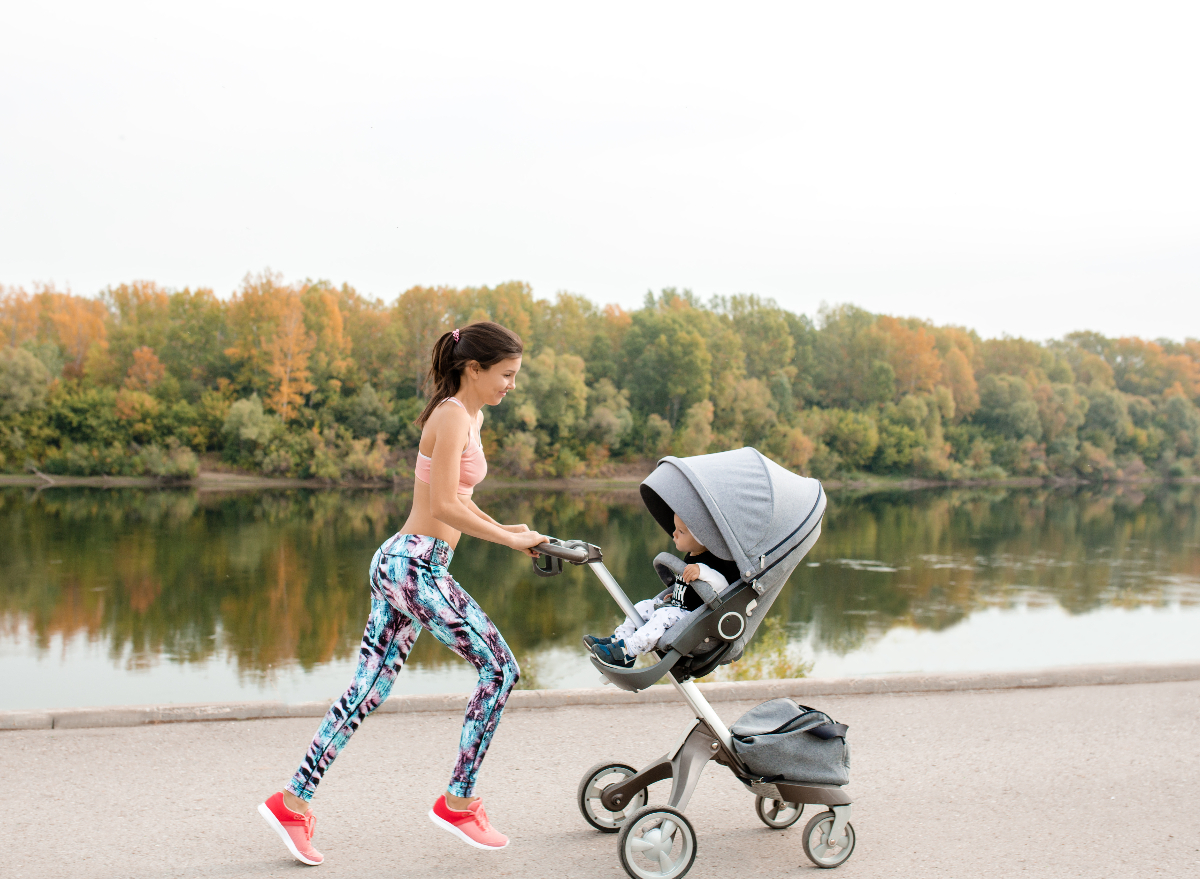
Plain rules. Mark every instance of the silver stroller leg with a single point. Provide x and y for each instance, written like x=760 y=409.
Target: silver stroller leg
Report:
x=703 y=711
x=707 y=738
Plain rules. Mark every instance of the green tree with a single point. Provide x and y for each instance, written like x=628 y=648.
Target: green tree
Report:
x=1007 y=406
x=24 y=381
x=669 y=366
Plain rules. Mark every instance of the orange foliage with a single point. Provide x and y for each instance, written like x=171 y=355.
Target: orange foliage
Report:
x=617 y=322
x=912 y=353
x=288 y=352
x=1145 y=368
x=78 y=324
x=323 y=319
x=19 y=317
x=252 y=315
x=74 y=323
x=147 y=370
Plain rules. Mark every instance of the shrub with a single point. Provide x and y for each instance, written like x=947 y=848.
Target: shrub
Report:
x=176 y=462
x=518 y=453
x=367 y=459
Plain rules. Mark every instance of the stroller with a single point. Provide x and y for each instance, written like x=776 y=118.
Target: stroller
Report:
x=744 y=507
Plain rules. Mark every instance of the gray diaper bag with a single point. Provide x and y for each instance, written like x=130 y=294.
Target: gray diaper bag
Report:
x=783 y=741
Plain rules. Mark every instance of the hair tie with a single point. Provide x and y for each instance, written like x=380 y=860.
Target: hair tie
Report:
x=455 y=334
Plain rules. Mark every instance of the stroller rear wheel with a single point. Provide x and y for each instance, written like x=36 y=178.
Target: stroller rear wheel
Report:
x=777 y=814
x=657 y=842
x=823 y=851
x=594 y=781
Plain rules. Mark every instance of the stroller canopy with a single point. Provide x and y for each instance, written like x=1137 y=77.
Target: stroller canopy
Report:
x=740 y=504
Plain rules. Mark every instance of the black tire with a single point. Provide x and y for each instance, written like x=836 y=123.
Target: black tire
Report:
x=770 y=810
x=816 y=842
x=586 y=797
x=640 y=841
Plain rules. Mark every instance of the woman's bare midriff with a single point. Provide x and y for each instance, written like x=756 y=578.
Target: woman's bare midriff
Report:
x=421 y=521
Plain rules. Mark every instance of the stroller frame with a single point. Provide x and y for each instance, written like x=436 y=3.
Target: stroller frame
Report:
x=707 y=739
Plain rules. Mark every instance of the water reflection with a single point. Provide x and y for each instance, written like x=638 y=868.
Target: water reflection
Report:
x=273 y=580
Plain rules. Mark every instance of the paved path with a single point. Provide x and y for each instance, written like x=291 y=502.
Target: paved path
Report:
x=1097 y=781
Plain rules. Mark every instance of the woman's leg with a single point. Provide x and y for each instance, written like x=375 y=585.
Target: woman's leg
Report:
x=452 y=616
x=388 y=638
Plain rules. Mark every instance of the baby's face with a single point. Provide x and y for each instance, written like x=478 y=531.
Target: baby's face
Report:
x=685 y=541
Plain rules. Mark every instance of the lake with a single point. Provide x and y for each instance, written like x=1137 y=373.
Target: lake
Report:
x=135 y=596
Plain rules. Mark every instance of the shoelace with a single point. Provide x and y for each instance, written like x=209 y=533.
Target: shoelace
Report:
x=310 y=823
x=482 y=820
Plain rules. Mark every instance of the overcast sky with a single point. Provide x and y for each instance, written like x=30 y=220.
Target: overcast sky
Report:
x=1022 y=168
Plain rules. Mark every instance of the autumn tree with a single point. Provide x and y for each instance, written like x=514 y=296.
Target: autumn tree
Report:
x=253 y=317
x=912 y=353
x=146 y=370
x=331 y=359
x=288 y=353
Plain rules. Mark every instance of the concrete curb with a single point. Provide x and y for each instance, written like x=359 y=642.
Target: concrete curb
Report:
x=733 y=691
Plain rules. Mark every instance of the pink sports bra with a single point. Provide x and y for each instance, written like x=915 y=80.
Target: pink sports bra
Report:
x=471 y=468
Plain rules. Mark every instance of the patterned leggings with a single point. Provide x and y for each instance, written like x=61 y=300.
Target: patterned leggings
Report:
x=412 y=590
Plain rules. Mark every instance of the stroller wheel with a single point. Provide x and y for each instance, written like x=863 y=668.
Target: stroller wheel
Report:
x=594 y=781
x=657 y=842
x=823 y=851
x=777 y=814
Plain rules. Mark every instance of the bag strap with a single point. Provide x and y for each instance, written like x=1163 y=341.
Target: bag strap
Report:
x=829 y=730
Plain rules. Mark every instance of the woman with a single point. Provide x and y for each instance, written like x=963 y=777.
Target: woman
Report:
x=411 y=589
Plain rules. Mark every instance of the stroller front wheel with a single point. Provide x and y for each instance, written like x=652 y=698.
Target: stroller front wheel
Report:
x=823 y=851
x=777 y=814
x=592 y=785
x=657 y=842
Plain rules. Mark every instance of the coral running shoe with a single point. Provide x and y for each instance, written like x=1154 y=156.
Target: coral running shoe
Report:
x=471 y=826
x=295 y=829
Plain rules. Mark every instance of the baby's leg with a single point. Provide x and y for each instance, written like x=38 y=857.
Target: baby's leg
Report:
x=644 y=639
x=627 y=628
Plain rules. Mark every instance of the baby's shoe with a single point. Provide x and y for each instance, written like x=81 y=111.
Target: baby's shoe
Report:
x=590 y=641
x=613 y=653
x=470 y=825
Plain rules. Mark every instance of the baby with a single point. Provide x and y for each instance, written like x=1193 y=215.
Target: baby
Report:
x=630 y=640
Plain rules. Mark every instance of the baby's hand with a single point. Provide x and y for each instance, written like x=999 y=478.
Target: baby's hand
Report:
x=690 y=573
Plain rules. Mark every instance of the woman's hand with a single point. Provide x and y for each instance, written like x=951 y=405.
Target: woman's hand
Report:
x=515 y=529
x=525 y=540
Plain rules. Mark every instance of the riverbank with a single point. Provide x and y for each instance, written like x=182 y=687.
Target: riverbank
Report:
x=225 y=481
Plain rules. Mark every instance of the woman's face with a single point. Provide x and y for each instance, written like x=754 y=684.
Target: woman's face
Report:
x=685 y=541
x=498 y=379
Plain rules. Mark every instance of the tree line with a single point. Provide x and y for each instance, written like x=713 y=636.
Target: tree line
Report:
x=313 y=380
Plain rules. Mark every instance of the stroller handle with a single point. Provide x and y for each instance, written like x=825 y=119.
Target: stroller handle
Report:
x=574 y=554
x=558 y=551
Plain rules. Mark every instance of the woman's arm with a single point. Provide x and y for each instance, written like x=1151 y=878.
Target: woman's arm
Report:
x=514 y=529
x=450 y=428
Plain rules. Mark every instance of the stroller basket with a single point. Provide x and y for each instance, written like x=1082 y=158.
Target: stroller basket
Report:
x=783 y=741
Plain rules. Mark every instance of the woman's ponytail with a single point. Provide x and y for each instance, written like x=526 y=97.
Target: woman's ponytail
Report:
x=485 y=342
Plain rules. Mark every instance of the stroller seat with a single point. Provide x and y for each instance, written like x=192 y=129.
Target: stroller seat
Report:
x=747 y=509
